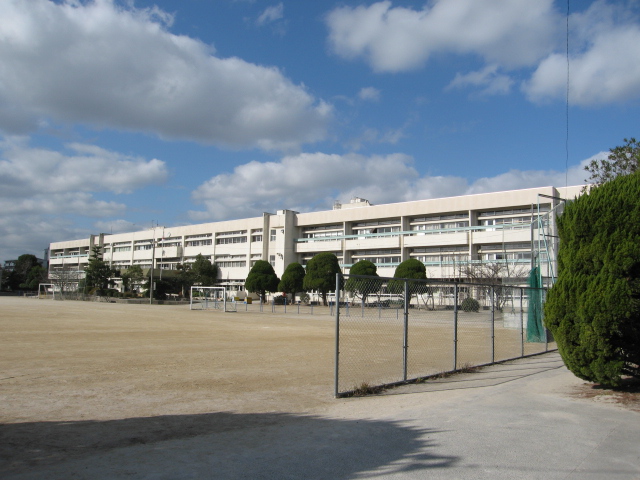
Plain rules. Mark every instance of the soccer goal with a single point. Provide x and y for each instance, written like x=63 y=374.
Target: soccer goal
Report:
x=46 y=290
x=209 y=298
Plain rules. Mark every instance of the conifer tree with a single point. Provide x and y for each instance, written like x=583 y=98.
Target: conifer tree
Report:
x=593 y=310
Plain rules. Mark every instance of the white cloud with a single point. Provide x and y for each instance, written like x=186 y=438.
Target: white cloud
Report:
x=32 y=234
x=506 y=35
x=606 y=70
x=115 y=66
x=488 y=79
x=271 y=14
x=314 y=181
x=40 y=188
x=369 y=93
x=27 y=171
x=393 y=39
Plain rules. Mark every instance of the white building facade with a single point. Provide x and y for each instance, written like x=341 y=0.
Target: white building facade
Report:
x=514 y=227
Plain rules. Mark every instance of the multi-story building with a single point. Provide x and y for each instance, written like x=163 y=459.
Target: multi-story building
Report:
x=516 y=228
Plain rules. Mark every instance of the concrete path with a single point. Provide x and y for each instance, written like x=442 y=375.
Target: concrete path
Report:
x=520 y=420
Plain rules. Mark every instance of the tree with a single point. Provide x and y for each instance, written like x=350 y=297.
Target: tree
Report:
x=493 y=273
x=622 y=160
x=593 y=310
x=131 y=276
x=321 y=274
x=66 y=278
x=363 y=287
x=37 y=274
x=409 y=269
x=98 y=274
x=262 y=278
x=17 y=279
x=204 y=272
x=292 y=279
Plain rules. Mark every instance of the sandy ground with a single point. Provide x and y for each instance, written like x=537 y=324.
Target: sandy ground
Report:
x=78 y=379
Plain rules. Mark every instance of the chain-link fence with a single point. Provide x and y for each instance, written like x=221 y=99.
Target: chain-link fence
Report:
x=391 y=331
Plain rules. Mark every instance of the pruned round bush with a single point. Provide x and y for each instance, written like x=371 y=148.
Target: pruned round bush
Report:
x=470 y=305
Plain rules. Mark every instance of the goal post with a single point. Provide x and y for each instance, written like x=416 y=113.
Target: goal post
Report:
x=208 y=298
x=46 y=290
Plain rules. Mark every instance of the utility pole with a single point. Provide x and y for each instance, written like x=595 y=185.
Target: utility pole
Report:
x=153 y=260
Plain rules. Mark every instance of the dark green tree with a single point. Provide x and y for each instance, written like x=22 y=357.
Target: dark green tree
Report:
x=593 y=310
x=37 y=274
x=292 y=279
x=409 y=269
x=321 y=274
x=622 y=160
x=17 y=279
x=131 y=276
x=98 y=274
x=363 y=287
x=262 y=278
x=203 y=272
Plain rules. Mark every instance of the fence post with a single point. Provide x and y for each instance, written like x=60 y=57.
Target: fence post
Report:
x=455 y=326
x=337 y=353
x=405 y=346
x=521 y=322
x=493 y=319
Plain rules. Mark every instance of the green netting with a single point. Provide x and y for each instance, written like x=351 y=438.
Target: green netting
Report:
x=535 y=329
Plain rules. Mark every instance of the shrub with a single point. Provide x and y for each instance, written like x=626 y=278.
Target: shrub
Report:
x=470 y=305
x=593 y=310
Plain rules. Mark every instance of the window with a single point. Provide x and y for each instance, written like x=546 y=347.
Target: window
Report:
x=272 y=237
x=256 y=238
x=272 y=260
x=229 y=240
x=199 y=243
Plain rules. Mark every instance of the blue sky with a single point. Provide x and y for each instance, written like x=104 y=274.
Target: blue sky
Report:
x=118 y=114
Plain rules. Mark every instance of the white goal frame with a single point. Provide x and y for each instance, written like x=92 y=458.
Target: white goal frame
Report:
x=210 y=301
x=46 y=290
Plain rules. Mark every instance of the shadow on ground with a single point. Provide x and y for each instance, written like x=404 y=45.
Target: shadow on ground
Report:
x=216 y=445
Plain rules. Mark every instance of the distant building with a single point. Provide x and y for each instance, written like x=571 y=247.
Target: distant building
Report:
x=447 y=234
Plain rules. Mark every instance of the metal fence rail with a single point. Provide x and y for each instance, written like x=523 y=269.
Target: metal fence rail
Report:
x=390 y=331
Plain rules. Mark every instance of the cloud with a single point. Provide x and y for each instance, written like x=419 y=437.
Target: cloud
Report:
x=116 y=66
x=507 y=35
x=32 y=233
x=369 y=93
x=314 y=181
x=41 y=188
x=27 y=171
x=488 y=79
x=604 y=64
x=271 y=14
x=395 y=39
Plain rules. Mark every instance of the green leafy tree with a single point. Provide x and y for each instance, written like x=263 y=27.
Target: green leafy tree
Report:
x=17 y=279
x=622 y=160
x=321 y=274
x=262 y=278
x=363 y=287
x=409 y=269
x=593 y=310
x=292 y=279
x=203 y=272
x=163 y=287
x=37 y=274
x=131 y=276
x=98 y=274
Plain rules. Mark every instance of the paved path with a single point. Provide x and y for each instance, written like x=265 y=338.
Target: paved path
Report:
x=521 y=420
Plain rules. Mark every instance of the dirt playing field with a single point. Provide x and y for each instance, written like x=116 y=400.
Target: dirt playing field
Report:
x=87 y=367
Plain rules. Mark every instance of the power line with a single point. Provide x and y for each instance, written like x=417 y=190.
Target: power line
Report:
x=566 y=143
